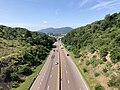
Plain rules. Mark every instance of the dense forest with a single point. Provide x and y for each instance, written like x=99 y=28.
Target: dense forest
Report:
x=21 y=51
x=97 y=47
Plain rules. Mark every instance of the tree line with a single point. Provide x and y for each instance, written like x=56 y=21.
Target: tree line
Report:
x=31 y=48
x=103 y=35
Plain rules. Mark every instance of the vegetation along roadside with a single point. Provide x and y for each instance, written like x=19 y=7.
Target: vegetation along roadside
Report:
x=22 y=53
x=96 y=48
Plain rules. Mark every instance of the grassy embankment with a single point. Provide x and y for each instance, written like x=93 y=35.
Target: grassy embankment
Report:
x=29 y=79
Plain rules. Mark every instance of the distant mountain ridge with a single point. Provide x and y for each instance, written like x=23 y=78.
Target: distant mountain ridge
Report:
x=62 y=30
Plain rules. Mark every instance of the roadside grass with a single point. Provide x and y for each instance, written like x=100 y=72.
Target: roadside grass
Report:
x=0 y=87
x=85 y=75
x=28 y=81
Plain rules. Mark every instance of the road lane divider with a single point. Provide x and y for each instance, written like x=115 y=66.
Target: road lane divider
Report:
x=59 y=83
x=66 y=72
x=50 y=76
x=68 y=81
x=48 y=87
x=38 y=87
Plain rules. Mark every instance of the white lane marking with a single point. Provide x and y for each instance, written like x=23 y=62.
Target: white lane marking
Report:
x=66 y=72
x=48 y=88
x=42 y=79
x=70 y=59
x=52 y=68
x=68 y=81
x=38 y=87
x=51 y=76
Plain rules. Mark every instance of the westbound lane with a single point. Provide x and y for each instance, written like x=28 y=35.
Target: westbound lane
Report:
x=71 y=77
x=48 y=77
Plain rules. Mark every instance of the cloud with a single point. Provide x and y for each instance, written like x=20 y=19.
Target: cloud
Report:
x=45 y=22
x=31 y=27
x=83 y=2
x=102 y=4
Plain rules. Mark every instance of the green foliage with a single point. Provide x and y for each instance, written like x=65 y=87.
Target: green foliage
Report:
x=99 y=87
x=97 y=74
x=115 y=82
x=115 y=54
x=103 y=36
x=76 y=52
x=92 y=49
x=105 y=70
x=103 y=51
x=93 y=61
x=15 y=84
x=85 y=70
x=25 y=49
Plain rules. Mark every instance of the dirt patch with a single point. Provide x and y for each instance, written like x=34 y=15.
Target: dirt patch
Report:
x=104 y=81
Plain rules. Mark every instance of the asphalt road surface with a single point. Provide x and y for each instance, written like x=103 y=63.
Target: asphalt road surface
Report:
x=71 y=77
x=48 y=78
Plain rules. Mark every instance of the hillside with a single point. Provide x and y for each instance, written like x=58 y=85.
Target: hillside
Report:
x=96 y=47
x=63 y=30
x=21 y=52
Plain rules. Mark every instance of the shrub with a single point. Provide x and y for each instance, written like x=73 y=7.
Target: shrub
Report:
x=105 y=70
x=27 y=71
x=94 y=62
x=114 y=82
x=115 y=55
x=87 y=63
x=84 y=69
x=77 y=56
x=103 y=51
x=99 y=87
x=15 y=84
x=97 y=74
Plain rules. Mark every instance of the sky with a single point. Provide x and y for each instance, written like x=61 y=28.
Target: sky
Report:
x=38 y=14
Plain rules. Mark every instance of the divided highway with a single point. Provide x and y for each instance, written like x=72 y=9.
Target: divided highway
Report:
x=48 y=78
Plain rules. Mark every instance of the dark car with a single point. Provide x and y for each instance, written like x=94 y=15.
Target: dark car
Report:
x=56 y=63
x=67 y=54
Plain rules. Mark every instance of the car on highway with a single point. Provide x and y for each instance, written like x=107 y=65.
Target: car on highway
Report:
x=67 y=54
x=56 y=63
x=62 y=47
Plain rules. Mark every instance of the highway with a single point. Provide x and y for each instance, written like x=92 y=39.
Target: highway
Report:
x=48 y=78
x=71 y=77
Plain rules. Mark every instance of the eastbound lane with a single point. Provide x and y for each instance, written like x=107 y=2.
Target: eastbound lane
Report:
x=48 y=77
x=71 y=78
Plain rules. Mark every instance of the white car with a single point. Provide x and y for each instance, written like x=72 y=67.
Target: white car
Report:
x=56 y=63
